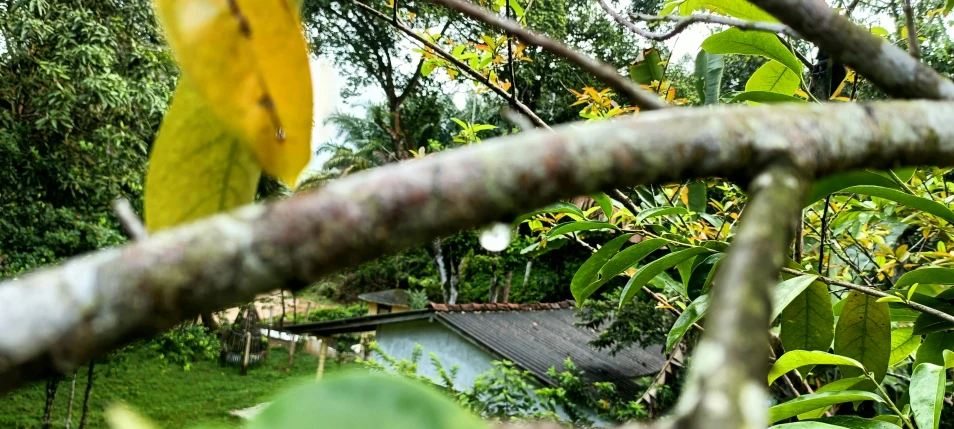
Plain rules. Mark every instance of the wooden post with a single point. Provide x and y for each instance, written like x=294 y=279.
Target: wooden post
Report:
x=291 y=353
x=307 y=310
x=322 y=355
x=248 y=345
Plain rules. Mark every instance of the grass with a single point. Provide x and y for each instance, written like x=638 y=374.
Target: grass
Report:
x=166 y=393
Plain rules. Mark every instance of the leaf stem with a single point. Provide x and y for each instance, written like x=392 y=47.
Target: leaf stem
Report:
x=887 y=398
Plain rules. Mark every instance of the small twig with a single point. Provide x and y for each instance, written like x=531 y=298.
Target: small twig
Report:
x=913 y=47
x=682 y=22
x=128 y=219
x=875 y=292
x=516 y=104
x=643 y=99
x=516 y=119
x=627 y=202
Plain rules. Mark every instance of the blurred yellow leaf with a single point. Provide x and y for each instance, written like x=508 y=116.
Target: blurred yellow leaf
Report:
x=198 y=167
x=249 y=60
x=121 y=417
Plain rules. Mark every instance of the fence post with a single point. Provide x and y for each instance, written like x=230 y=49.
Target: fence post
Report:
x=248 y=345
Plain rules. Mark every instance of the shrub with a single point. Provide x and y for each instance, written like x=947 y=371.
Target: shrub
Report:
x=186 y=344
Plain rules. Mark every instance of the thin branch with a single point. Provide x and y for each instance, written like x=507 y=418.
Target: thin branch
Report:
x=128 y=219
x=683 y=22
x=884 y=64
x=516 y=104
x=644 y=99
x=875 y=292
x=722 y=387
x=66 y=315
x=913 y=47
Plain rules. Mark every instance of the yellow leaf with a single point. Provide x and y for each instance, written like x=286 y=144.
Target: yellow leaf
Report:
x=121 y=417
x=198 y=167
x=249 y=60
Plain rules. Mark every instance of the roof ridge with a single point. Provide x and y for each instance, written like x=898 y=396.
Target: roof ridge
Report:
x=569 y=303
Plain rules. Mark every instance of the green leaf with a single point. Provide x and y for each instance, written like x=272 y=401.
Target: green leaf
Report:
x=788 y=290
x=834 y=386
x=903 y=343
x=948 y=359
x=737 y=8
x=927 y=395
x=560 y=207
x=890 y=418
x=810 y=402
x=343 y=401
x=890 y=298
x=932 y=349
x=660 y=211
x=799 y=358
x=808 y=322
x=855 y=422
x=701 y=276
x=652 y=269
x=929 y=323
x=697 y=197
x=587 y=272
x=617 y=264
x=692 y=314
x=836 y=183
x=948 y=6
x=736 y=41
x=773 y=76
x=647 y=68
x=198 y=167
x=708 y=76
x=863 y=333
x=915 y=202
x=606 y=204
x=805 y=425
x=765 y=97
x=928 y=276
x=585 y=225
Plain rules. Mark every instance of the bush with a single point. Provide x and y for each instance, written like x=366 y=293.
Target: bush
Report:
x=186 y=344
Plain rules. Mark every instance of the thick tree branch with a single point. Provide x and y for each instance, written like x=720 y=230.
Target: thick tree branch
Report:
x=683 y=22
x=726 y=388
x=516 y=104
x=59 y=317
x=886 y=65
x=644 y=99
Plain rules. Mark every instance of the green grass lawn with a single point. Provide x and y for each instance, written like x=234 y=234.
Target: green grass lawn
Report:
x=166 y=393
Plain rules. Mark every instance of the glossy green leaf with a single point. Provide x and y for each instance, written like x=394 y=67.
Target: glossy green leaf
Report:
x=863 y=333
x=585 y=225
x=810 y=402
x=617 y=264
x=606 y=204
x=925 y=205
x=736 y=41
x=932 y=349
x=838 y=182
x=799 y=358
x=588 y=272
x=788 y=290
x=697 y=197
x=652 y=269
x=343 y=401
x=903 y=343
x=808 y=322
x=890 y=418
x=948 y=5
x=701 y=276
x=855 y=422
x=775 y=77
x=805 y=425
x=927 y=395
x=737 y=8
x=927 y=275
x=660 y=211
x=198 y=166
x=835 y=386
x=560 y=207
x=692 y=314
x=765 y=97
x=647 y=68
x=708 y=76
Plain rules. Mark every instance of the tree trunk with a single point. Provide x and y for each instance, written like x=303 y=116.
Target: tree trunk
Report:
x=51 y=386
x=89 y=390
x=209 y=321
x=281 y=325
x=493 y=290
x=504 y=295
x=445 y=270
x=69 y=404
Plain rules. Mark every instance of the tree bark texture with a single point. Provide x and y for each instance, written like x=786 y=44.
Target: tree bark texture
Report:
x=68 y=314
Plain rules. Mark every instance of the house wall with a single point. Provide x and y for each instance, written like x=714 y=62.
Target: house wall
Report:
x=399 y=340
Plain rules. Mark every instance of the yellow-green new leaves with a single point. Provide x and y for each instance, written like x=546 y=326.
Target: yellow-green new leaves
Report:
x=249 y=61
x=198 y=167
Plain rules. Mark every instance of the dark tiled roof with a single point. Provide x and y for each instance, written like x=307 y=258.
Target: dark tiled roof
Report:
x=503 y=307
x=389 y=297
x=544 y=337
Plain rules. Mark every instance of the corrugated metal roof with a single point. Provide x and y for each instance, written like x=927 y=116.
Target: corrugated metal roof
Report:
x=389 y=297
x=540 y=339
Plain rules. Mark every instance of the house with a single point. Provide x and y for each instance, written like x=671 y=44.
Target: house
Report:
x=535 y=337
x=387 y=301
